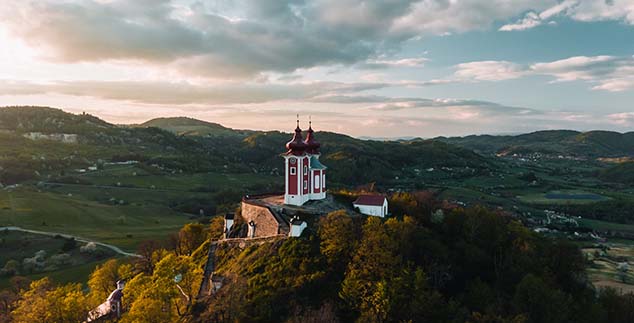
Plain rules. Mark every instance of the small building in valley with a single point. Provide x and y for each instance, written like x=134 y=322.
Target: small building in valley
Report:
x=375 y=205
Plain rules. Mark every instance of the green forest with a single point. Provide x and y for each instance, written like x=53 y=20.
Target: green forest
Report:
x=449 y=265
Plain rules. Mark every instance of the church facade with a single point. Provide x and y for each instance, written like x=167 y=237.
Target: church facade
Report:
x=305 y=178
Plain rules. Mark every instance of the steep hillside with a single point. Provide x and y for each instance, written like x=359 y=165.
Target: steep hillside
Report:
x=590 y=144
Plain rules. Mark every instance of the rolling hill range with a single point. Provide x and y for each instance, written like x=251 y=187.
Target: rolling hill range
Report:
x=194 y=146
x=592 y=144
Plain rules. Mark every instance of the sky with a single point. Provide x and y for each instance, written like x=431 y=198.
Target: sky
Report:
x=383 y=68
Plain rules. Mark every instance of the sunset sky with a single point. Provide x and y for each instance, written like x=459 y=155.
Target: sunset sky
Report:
x=386 y=68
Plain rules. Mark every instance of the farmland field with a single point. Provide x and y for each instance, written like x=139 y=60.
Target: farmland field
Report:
x=604 y=270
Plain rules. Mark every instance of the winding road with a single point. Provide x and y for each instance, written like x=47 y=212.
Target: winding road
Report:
x=80 y=239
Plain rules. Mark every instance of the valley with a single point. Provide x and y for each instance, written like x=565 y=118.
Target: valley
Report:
x=125 y=185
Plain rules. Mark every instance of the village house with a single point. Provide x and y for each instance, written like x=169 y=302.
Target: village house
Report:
x=375 y=205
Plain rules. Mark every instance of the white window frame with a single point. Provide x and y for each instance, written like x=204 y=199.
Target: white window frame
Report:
x=305 y=170
x=317 y=182
x=293 y=170
x=323 y=181
x=305 y=184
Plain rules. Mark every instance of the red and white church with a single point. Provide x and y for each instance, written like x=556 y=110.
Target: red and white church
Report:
x=305 y=178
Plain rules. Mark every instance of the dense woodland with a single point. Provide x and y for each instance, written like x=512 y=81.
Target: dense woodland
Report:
x=430 y=263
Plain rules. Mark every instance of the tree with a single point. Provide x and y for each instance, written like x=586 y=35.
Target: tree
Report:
x=33 y=306
x=190 y=237
x=541 y=302
x=336 y=232
x=7 y=300
x=373 y=265
x=147 y=310
x=217 y=228
x=618 y=308
x=145 y=250
x=159 y=298
x=103 y=281
x=43 y=302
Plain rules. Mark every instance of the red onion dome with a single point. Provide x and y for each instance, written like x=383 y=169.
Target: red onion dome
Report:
x=296 y=146
x=312 y=145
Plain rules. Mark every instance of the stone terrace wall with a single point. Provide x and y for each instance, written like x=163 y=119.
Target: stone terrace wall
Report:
x=266 y=224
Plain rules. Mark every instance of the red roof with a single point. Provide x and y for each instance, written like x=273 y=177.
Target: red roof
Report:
x=376 y=200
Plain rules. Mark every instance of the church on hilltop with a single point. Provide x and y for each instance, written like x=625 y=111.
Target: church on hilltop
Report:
x=305 y=178
x=304 y=198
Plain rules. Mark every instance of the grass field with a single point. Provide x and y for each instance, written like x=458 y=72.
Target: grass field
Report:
x=131 y=175
x=562 y=197
x=122 y=204
x=121 y=225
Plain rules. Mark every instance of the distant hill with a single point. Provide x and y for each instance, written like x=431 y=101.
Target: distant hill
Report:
x=185 y=126
x=359 y=161
x=592 y=144
x=48 y=120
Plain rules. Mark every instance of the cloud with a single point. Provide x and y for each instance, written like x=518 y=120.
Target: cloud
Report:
x=243 y=38
x=532 y=19
x=600 y=10
x=489 y=71
x=187 y=93
x=624 y=118
x=529 y=21
x=609 y=73
x=460 y=107
x=579 y=10
x=395 y=63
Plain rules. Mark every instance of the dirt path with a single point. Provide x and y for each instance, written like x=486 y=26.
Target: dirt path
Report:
x=68 y=236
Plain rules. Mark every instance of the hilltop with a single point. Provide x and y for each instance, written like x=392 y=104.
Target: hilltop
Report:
x=185 y=126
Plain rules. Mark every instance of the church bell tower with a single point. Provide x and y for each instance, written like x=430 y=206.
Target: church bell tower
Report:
x=305 y=177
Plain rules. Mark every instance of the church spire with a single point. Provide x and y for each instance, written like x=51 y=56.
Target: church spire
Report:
x=312 y=145
x=296 y=146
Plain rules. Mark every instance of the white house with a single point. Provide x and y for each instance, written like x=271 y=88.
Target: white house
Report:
x=297 y=227
x=375 y=205
x=229 y=217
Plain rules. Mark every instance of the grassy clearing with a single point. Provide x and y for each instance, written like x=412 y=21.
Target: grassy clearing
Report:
x=562 y=197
